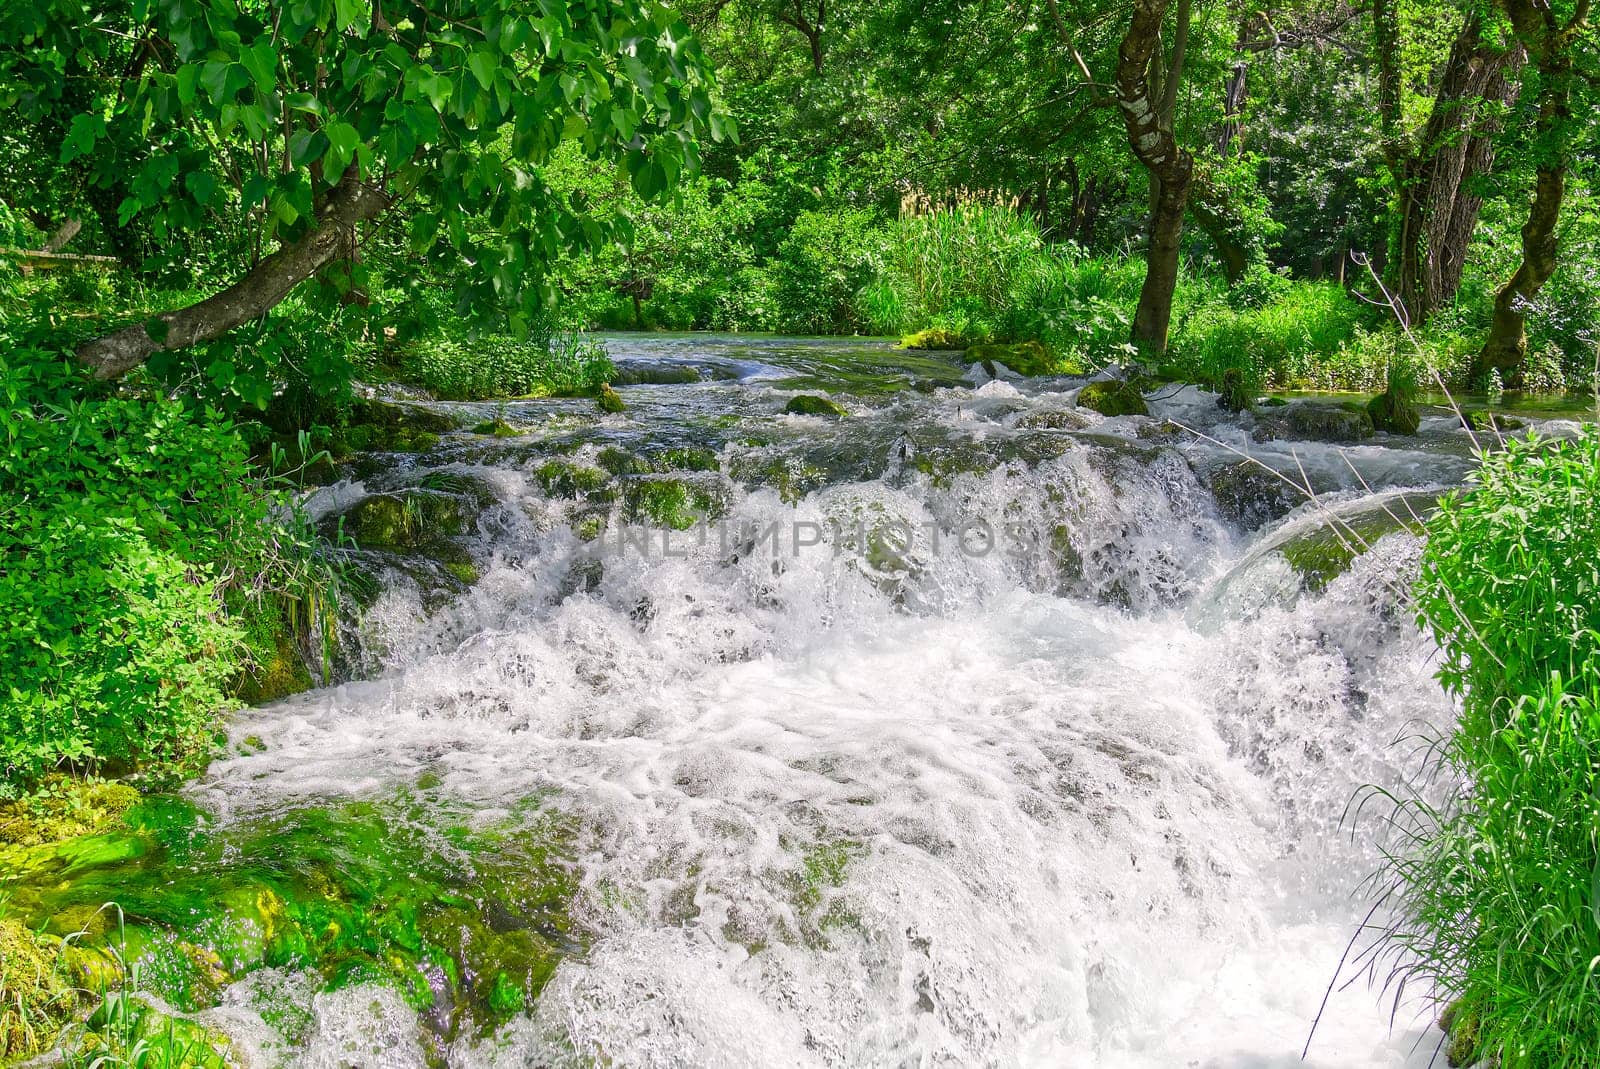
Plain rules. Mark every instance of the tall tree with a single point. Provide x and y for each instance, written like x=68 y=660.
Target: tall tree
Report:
x=1555 y=38
x=313 y=119
x=1434 y=169
x=1148 y=119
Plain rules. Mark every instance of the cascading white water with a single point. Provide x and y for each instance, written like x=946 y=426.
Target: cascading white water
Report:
x=1066 y=806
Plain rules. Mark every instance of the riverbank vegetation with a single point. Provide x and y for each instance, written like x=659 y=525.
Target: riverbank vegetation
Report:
x=1494 y=887
x=221 y=222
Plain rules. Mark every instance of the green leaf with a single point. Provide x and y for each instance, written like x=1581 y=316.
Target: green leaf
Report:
x=342 y=141
x=482 y=65
x=80 y=139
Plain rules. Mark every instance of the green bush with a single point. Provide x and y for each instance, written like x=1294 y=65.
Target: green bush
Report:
x=1496 y=888
x=499 y=367
x=827 y=259
x=135 y=538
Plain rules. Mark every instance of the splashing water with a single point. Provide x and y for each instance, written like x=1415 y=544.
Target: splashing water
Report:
x=1075 y=800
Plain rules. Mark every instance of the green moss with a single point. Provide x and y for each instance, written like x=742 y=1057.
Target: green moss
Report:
x=563 y=479
x=462 y=570
x=1461 y=1025
x=409 y=519
x=1394 y=414
x=276 y=669
x=38 y=995
x=680 y=375
x=814 y=405
x=688 y=458
x=497 y=427
x=62 y=808
x=1113 y=397
x=357 y=892
x=670 y=503
x=1479 y=420
x=609 y=400
x=382 y=427
x=934 y=339
x=621 y=462
x=1029 y=358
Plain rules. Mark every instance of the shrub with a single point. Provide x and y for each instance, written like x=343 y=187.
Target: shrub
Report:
x=498 y=367
x=1495 y=891
x=135 y=538
x=828 y=257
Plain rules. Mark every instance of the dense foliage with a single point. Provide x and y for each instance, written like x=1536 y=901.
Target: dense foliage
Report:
x=135 y=545
x=1496 y=888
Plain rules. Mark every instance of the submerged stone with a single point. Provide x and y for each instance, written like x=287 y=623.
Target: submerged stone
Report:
x=1113 y=397
x=813 y=405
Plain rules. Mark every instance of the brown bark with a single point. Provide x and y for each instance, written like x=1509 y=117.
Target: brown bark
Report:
x=1507 y=345
x=1437 y=209
x=1150 y=135
x=1550 y=45
x=262 y=288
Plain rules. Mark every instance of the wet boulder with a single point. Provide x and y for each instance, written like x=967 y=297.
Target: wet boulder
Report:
x=808 y=404
x=1113 y=397
x=1316 y=421
x=390 y=427
x=1252 y=495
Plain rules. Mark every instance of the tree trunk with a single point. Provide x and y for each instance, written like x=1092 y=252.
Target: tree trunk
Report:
x=1550 y=46
x=261 y=289
x=1507 y=344
x=1437 y=209
x=1151 y=138
x=1217 y=218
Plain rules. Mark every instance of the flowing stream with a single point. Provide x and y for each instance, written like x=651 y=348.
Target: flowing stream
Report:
x=972 y=728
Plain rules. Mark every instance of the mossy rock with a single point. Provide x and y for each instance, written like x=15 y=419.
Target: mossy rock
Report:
x=1317 y=421
x=38 y=993
x=569 y=481
x=791 y=476
x=1483 y=421
x=687 y=458
x=809 y=404
x=279 y=671
x=472 y=920
x=385 y=427
x=1053 y=419
x=496 y=427
x=671 y=503
x=407 y=520
x=609 y=400
x=1028 y=358
x=1113 y=397
x=655 y=375
x=1322 y=554
x=1461 y=1025
x=934 y=339
x=1392 y=414
x=1252 y=495
x=62 y=808
x=621 y=462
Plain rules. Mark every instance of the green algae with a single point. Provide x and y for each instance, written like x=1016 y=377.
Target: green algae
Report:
x=467 y=921
x=935 y=339
x=1113 y=397
x=814 y=405
x=563 y=479
x=1029 y=358
x=672 y=503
